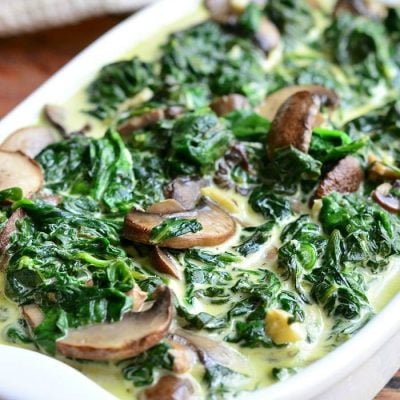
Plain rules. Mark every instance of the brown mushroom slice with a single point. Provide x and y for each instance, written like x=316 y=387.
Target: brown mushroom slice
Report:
x=225 y=104
x=384 y=198
x=183 y=356
x=377 y=170
x=18 y=170
x=134 y=334
x=30 y=140
x=293 y=123
x=268 y=37
x=274 y=101
x=57 y=116
x=366 y=8
x=227 y=11
x=33 y=315
x=345 y=177
x=217 y=225
x=165 y=263
x=222 y=11
x=166 y=207
x=10 y=228
x=138 y=297
x=170 y=387
x=186 y=191
x=141 y=121
x=212 y=351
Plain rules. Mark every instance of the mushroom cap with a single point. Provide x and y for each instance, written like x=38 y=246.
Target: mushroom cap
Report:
x=212 y=351
x=165 y=263
x=57 y=116
x=270 y=105
x=222 y=11
x=217 y=225
x=18 y=170
x=225 y=104
x=382 y=196
x=293 y=123
x=345 y=177
x=134 y=334
x=170 y=387
x=30 y=140
x=370 y=9
x=268 y=37
x=185 y=190
x=10 y=228
x=141 y=121
x=167 y=206
x=138 y=297
x=33 y=315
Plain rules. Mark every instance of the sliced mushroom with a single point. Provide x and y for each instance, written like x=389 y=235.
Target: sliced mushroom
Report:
x=33 y=315
x=183 y=356
x=134 y=334
x=268 y=37
x=377 y=170
x=185 y=190
x=138 y=297
x=225 y=104
x=141 y=121
x=165 y=263
x=166 y=207
x=212 y=351
x=10 y=228
x=30 y=140
x=18 y=170
x=57 y=116
x=274 y=101
x=293 y=123
x=385 y=199
x=223 y=11
x=217 y=225
x=367 y=8
x=227 y=11
x=170 y=387
x=149 y=118
x=345 y=177
x=172 y=112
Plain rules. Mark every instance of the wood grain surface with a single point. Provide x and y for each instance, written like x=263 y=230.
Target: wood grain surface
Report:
x=27 y=61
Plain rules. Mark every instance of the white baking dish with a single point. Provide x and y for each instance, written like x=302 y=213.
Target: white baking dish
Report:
x=356 y=370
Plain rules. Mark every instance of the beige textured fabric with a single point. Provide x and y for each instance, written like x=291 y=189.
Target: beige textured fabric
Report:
x=18 y=16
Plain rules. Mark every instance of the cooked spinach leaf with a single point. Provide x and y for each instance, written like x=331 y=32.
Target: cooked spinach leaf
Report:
x=269 y=204
x=292 y=17
x=370 y=234
x=210 y=61
x=198 y=141
x=142 y=368
x=247 y=125
x=173 y=227
x=254 y=237
x=119 y=82
x=100 y=168
x=72 y=266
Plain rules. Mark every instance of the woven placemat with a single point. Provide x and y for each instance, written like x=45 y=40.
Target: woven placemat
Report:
x=20 y=16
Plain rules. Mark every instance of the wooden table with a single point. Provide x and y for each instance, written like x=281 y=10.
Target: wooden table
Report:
x=27 y=61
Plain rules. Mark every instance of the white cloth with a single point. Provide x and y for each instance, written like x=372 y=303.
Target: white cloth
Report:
x=18 y=16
